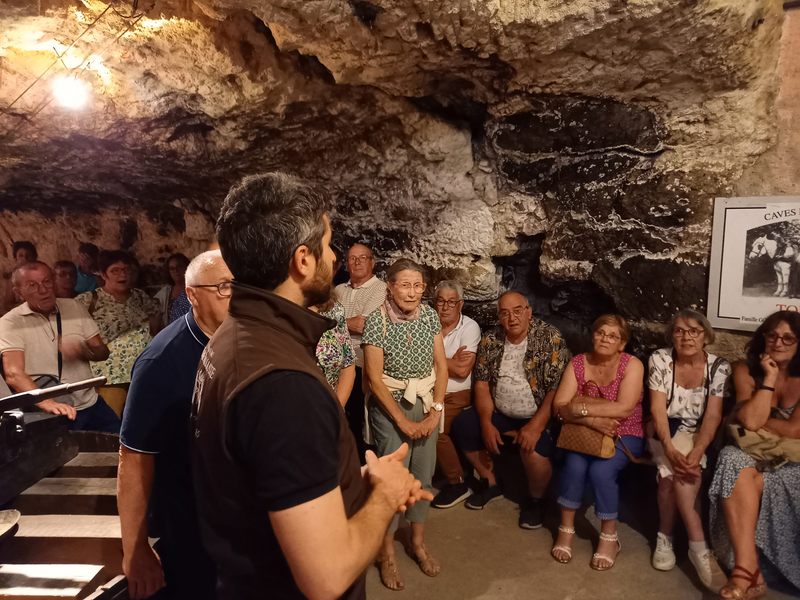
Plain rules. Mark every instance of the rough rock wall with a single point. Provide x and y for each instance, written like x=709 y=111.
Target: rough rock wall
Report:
x=571 y=149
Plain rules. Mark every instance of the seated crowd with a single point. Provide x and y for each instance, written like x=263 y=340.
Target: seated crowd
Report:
x=406 y=373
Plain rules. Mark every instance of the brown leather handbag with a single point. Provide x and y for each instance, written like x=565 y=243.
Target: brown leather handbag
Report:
x=580 y=438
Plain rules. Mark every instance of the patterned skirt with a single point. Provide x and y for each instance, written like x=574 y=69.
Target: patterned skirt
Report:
x=778 y=526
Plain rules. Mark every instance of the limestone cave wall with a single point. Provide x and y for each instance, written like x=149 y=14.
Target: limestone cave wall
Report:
x=568 y=148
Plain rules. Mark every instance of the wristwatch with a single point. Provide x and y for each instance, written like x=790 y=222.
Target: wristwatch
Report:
x=437 y=406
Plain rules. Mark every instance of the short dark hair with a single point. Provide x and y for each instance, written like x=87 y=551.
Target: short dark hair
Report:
x=264 y=220
x=88 y=248
x=24 y=245
x=403 y=264
x=65 y=264
x=758 y=345
x=183 y=262
x=111 y=257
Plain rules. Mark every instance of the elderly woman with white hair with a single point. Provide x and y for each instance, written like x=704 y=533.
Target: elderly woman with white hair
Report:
x=687 y=385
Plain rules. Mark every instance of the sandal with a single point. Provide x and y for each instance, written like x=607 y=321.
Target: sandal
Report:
x=606 y=538
x=754 y=590
x=565 y=549
x=390 y=576
x=427 y=564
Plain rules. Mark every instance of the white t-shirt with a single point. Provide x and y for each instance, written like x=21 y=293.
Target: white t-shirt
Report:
x=512 y=395
x=687 y=405
x=360 y=301
x=24 y=330
x=466 y=333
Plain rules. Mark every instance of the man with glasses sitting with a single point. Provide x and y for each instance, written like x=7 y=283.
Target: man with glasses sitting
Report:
x=360 y=296
x=155 y=447
x=46 y=341
x=516 y=377
x=461 y=338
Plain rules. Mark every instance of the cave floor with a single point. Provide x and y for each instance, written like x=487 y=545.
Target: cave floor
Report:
x=486 y=556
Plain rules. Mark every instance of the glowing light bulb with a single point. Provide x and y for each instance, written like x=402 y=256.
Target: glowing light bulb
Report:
x=70 y=92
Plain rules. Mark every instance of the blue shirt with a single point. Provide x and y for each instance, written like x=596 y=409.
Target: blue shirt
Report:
x=86 y=283
x=180 y=307
x=156 y=421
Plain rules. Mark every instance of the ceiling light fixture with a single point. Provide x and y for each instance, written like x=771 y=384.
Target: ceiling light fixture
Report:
x=70 y=91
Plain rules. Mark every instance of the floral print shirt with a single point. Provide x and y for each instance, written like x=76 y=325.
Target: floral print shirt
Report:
x=545 y=359
x=335 y=350
x=124 y=327
x=687 y=405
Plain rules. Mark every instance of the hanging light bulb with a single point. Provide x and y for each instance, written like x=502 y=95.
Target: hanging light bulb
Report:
x=70 y=92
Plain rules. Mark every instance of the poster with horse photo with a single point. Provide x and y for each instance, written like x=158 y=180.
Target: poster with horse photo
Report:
x=755 y=260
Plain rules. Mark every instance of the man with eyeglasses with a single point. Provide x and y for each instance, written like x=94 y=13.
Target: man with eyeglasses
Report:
x=461 y=338
x=517 y=374
x=48 y=340
x=155 y=447
x=360 y=296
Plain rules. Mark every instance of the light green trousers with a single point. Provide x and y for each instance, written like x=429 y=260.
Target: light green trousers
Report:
x=421 y=457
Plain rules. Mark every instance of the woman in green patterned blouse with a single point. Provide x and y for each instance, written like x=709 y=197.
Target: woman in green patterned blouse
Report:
x=407 y=372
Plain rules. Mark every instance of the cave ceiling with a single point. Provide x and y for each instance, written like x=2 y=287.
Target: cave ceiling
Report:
x=446 y=130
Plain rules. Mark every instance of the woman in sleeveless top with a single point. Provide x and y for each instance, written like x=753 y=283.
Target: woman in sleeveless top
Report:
x=754 y=511
x=407 y=370
x=615 y=376
x=687 y=385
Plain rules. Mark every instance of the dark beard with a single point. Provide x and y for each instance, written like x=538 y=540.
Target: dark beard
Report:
x=319 y=289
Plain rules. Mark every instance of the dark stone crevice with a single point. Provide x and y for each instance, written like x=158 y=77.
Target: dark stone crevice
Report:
x=366 y=12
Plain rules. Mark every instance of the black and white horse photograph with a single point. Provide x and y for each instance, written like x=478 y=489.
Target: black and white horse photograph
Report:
x=772 y=261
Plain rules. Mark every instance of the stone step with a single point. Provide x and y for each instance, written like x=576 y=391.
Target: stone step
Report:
x=69 y=496
x=90 y=464
x=39 y=581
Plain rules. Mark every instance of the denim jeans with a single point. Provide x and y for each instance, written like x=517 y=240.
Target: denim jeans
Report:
x=602 y=473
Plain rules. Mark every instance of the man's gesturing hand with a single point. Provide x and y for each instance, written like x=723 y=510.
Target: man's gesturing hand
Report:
x=393 y=481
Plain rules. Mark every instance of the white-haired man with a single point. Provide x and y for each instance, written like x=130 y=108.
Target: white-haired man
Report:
x=461 y=338
x=155 y=451
x=48 y=340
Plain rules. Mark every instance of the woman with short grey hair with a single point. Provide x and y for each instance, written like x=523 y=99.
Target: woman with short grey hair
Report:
x=407 y=371
x=687 y=385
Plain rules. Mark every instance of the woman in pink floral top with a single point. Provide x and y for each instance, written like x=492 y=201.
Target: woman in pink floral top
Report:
x=616 y=377
x=335 y=351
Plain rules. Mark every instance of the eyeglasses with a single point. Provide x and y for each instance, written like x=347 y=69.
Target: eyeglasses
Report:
x=120 y=270
x=787 y=338
x=611 y=337
x=407 y=287
x=692 y=332
x=32 y=286
x=441 y=303
x=517 y=312
x=223 y=289
x=361 y=258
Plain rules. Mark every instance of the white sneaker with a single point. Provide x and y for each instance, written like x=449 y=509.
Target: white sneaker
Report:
x=708 y=570
x=664 y=557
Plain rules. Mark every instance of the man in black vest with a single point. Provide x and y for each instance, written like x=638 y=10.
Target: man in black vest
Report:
x=285 y=510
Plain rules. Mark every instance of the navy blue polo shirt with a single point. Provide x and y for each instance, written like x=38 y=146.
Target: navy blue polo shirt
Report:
x=156 y=421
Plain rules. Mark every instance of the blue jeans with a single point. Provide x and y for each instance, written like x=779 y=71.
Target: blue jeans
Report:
x=602 y=473
x=98 y=417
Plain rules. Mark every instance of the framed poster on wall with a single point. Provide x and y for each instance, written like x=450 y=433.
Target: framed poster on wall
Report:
x=755 y=260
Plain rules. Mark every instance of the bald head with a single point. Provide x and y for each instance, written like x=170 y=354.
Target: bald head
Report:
x=360 y=264
x=510 y=300
x=207 y=268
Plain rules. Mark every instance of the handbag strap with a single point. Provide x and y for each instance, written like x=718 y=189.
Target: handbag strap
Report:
x=628 y=452
x=58 y=343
